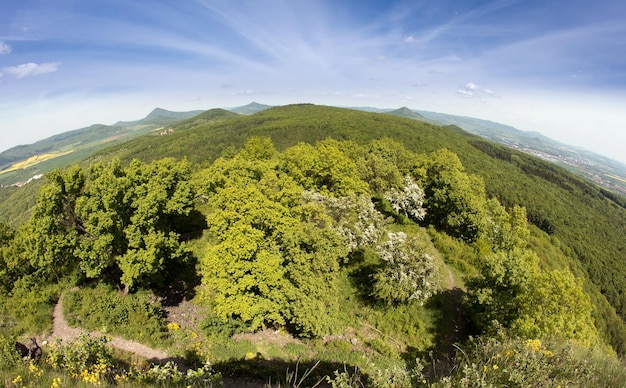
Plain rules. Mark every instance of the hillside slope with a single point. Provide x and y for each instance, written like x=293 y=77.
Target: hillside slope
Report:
x=22 y=162
x=588 y=222
x=604 y=171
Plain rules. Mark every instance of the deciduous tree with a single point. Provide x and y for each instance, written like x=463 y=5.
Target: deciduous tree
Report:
x=407 y=273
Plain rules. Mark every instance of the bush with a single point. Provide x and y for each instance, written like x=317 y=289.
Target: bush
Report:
x=86 y=358
x=29 y=306
x=9 y=357
x=515 y=362
x=135 y=316
x=407 y=273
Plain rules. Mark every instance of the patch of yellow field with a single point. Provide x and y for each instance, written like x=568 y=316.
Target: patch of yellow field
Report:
x=616 y=177
x=33 y=160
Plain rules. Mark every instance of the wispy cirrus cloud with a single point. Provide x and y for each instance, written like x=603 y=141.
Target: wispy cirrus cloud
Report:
x=31 y=69
x=5 y=48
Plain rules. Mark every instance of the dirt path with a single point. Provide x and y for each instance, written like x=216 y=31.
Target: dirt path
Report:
x=62 y=331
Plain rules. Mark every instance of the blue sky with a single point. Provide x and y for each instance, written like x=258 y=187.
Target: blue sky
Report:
x=556 y=67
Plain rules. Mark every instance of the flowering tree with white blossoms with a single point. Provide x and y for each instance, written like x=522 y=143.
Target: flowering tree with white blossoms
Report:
x=355 y=218
x=409 y=201
x=407 y=272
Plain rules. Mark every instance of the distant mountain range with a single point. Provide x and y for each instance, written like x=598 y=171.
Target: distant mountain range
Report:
x=604 y=171
x=21 y=163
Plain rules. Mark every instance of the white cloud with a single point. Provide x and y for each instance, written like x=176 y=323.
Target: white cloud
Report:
x=365 y=95
x=5 y=48
x=31 y=69
x=410 y=39
x=471 y=89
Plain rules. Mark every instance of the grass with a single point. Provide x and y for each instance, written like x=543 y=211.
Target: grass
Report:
x=34 y=160
x=135 y=317
x=526 y=363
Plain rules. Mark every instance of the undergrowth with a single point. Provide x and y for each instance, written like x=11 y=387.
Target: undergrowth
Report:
x=135 y=316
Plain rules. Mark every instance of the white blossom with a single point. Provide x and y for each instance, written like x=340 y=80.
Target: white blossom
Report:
x=409 y=201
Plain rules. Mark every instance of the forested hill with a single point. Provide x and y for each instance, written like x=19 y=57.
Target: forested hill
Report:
x=588 y=222
x=22 y=162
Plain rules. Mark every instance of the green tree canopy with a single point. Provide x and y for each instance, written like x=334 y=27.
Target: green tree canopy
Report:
x=512 y=292
x=115 y=220
x=270 y=265
x=455 y=200
x=324 y=168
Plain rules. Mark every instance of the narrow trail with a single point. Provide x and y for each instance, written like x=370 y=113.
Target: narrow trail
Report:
x=62 y=331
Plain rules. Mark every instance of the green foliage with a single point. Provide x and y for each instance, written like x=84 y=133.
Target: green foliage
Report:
x=88 y=360
x=455 y=200
x=136 y=316
x=284 y=214
x=506 y=231
x=28 y=308
x=269 y=265
x=111 y=220
x=513 y=362
x=455 y=252
x=409 y=201
x=17 y=203
x=83 y=354
x=589 y=224
x=324 y=168
x=407 y=273
x=513 y=293
x=6 y=238
x=555 y=305
x=354 y=218
x=9 y=357
x=495 y=295
x=54 y=227
x=215 y=327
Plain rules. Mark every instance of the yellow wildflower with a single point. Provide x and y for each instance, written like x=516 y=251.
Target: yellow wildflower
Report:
x=100 y=367
x=495 y=367
x=56 y=382
x=122 y=378
x=533 y=345
x=17 y=380
x=173 y=326
x=34 y=370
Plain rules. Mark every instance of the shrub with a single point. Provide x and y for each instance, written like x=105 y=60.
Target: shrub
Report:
x=409 y=201
x=135 y=316
x=407 y=273
x=530 y=362
x=9 y=357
